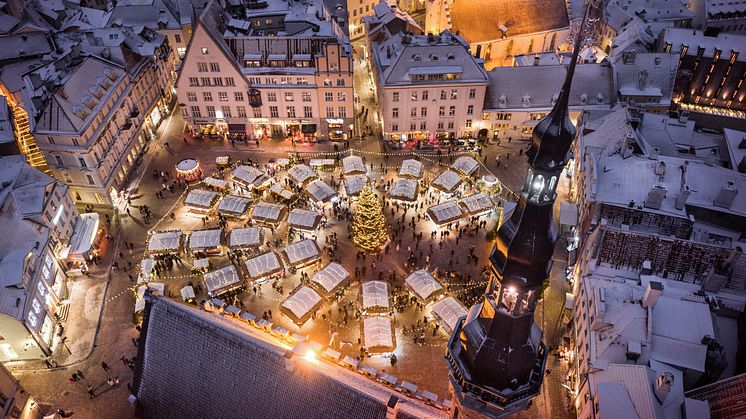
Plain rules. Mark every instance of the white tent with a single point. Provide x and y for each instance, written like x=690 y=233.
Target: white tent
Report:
x=321 y=163
x=222 y=280
x=478 y=203
x=203 y=240
x=249 y=176
x=146 y=270
x=354 y=184
x=245 y=237
x=465 y=165
x=445 y=213
x=447 y=181
x=301 y=174
x=281 y=192
x=411 y=168
x=267 y=212
x=165 y=242
x=378 y=334
x=215 y=183
x=201 y=263
x=234 y=205
x=304 y=219
x=301 y=304
x=423 y=285
x=201 y=199
x=320 y=191
x=156 y=288
x=187 y=293
x=375 y=296
x=301 y=252
x=404 y=189
x=263 y=265
x=353 y=165
x=330 y=278
x=448 y=311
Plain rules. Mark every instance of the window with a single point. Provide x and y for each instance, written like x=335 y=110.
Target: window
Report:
x=341 y=96
x=502 y=116
x=215 y=67
x=470 y=110
x=273 y=112
x=226 y=111
x=468 y=123
x=423 y=125
x=90 y=180
x=395 y=112
x=191 y=97
x=306 y=96
x=424 y=95
x=414 y=97
x=257 y=112
x=343 y=112
x=206 y=81
x=193 y=81
x=289 y=96
x=59 y=161
x=452 y=111
x=442 y=111
x=202 y=67
x=229 y=81
x=205 y=51
x=211 y=111
x=423 y=111
x=177 y=38
x=328 y=97
x=291 y=111
x=340 y=82
x=327 y=82
x=207 y=96
x=330 y=111
x=75 y=141
x=223 y=96
x=454 y=94
x=486 y=116
x=472 y=93
x=268 y=22
x=307 y=112
x=217 y=81
x=82 y=162
x=395 y=97
x=394 y=127
x=413 y=126
x=440 y=125
x=271 y=97
x=196 y=112
x=301 y=80
x=241 y=111
x=413 y=112
x=238 y=96
x=450 y=125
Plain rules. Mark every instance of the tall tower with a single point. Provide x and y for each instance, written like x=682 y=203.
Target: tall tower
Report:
x=495 y=355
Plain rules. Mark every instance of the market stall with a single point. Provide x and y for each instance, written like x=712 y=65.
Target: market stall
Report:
x=378 y=335
x=222 y=280
x=146 y=270
x=465 y=165
x=201 y=201
x=250 y=177
x=234 y=206
x=320 y=191
x=187 y=293
x=301 y=304
x=156 y=288
x=330 y=279
x=477 y=204
x=205 y=241
x=447 y=181
x=301 y=174
x=445 y=213
x=302 y=252
x=352 y=165
x=268 y=213
x=215 y=184
x=322 y=163
x=354 y=184
x=404 y=189
x=241 y=238
x=188 y=169
x=374 y=297
x=281 y=192
x=423 y=285
x=411 y=168
x=303 y=219
x=448 y=311
x=200 y=265
x=263 y=266
x=165 y=242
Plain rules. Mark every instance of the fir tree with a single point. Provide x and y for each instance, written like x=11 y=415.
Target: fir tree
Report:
x=369 y=227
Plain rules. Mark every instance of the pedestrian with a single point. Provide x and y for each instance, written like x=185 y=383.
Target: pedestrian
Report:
x=75 y=377
x=104 y=366
x=91 y=393
x=80 y=374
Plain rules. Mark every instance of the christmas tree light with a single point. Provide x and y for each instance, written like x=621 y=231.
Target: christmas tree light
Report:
x=369 y=227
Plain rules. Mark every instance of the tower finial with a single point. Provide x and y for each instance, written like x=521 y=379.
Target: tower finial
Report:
x=560 y=107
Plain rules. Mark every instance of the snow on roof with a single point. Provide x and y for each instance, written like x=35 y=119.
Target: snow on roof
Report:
x=449 y=310
x=84 y=233
x=234 y=205
x=263 y=265
x=304 y=219
x=466 y=165
x=736 y=142
x=477 y=203
x=423 y=284
x=164 y=241
x=266 y=211
x=405 y=189
x=354 y=184
x=146 y=269
x=302 y=251
x=320 y=191
x=352 y=165
x=316 y=163
x=330 y=277
x=378 y=334
x=204 y=239
x=680 y=326
x=375 y=294
x=411 y=168
x=215 y=183
x=156 y=287
x=249 y=236
x=280 y=191
x=200 y=263
x=300 y=173
x=301 y=303
x=249 y=176
x=445 y=213
x=447 y=181
x=221 y=279
x=201 y=198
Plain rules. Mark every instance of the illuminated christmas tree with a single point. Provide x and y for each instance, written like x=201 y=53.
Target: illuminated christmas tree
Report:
x=369 y=227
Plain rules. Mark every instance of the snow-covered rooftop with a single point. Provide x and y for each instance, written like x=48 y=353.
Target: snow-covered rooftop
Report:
x=354 y=184
x=204 y=239
x=411 y=168
x=375 y=295
x=466 y=165
x=266 y=211
x=352 y=165
x=320 y=191
x=201 y=198
x=234 y=205
x=301 y=252
x=300 y=173
x=304 y=219
x=164 y=241
x=447 y=181
x=330 y=277
x=249 y=176
x=423 y=284
x=404 y=189
x=280 y=191
x=378 y=334
x=301 y=304
x=249 y=236
x=263 y=265
x=221 y=280
x=477 y=203
x=445 y=213
x=449 y=310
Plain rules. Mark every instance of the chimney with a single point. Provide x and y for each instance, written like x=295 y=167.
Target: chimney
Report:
x=289 y=362
x=647 y=266
x=652 y=292
x=663 y=386
x=726 y=196
x=655 y=197
x=392 y=407
x=684 y=193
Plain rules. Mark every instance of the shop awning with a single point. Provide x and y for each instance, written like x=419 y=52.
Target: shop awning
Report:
x=84 y=234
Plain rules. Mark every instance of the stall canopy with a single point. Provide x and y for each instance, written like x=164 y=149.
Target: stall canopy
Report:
x=304 y=219
x=301 y=173
x=404 y=189
x=353 y=165
x=448 y=311
x=245 y=237
x=263 y=265
x=330 y=278
x=201 y=263
x=378 y=334
x=249 y=176
x=465 y=165
x=187 y=293
x=301 y=304
x=301 y=252
x=222 y=280
x=423 y=285
x=411 y=168
x=477 y=204
x=320 y=163
x=281 y=192
x=157 y=288
x=447 y=181
x=375 y=296
x=234 y=205
x=354 y=184
x=165 y=241
x=445 y=213
x=268 y=212
x=202 y=240
x=84 y=234
x=320 y=191
x=146 y=270
x=201 y=198
x=215 y=183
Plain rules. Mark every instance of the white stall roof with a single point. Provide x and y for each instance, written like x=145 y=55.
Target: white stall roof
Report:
x=249 y=236
x=302 y=251
x=352 y=165
x=234 y=205
x=221 y=279
x=465 y=165
x=322 y=162
x=204 y=239
x=445 y=213
x=375 y=294
x=201 y=198
x=405 y=189
x=266 y=211
x=215 y=183
x=249 y=176
x=354 y=184
x=423 y=284
x=280 y=191
x=447 y=181
x=377 y=332
x=477 y=203
x=164 y=241
x=263 y=265
x=320 y=191
x=331 y=277
x=187 y=292
x=155 y=288
x=301 y=173
x=84 y=233
x=304 y=219
x=449 y=310
x=302 y=302
x=200 y=263
x=411 y=168
x=146 y=269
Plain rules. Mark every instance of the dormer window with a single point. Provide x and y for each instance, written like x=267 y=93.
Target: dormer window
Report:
x=600 y=98
x=433 y=57
x=526 y=101
x=451 y=57
x=584 y=98
x=416 y=57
